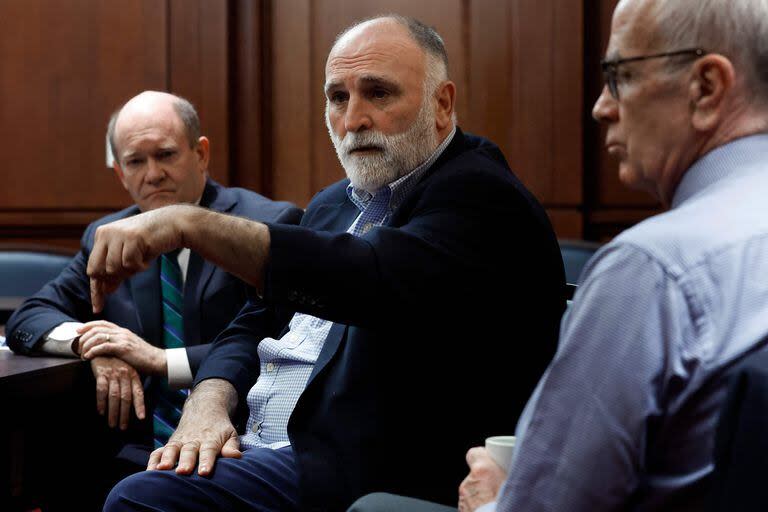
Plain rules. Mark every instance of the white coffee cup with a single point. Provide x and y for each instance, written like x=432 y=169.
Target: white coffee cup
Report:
x=500 y=449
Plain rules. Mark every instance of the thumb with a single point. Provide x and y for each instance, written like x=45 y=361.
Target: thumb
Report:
x=231 y=448
x=475 y=454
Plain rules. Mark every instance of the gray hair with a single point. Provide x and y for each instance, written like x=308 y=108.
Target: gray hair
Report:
x=184 y=109
x=428 y=40
x=737 y=29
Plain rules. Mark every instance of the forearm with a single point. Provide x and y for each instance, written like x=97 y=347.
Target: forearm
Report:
x=212 y=397
x=237 y=245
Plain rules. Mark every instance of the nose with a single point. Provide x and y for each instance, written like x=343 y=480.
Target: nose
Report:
x=357 y=116
x=606 y=109
x=155 y=172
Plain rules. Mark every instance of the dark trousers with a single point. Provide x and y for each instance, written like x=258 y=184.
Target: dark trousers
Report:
x=263 y=479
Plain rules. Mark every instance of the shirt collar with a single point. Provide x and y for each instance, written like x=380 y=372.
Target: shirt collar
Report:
x=740 y=156
x=401 y=186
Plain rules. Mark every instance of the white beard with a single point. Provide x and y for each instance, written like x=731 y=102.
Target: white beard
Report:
x=399 y=153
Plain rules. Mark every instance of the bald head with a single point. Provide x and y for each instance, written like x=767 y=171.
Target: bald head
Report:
x=156 y=102
x=424 y=37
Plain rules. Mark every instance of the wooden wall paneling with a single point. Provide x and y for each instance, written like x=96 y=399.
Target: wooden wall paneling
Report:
x=525 y=69
x=568 y=222
x=60 y=78
x=567 y=47
x=66 y=65
x=291 y=100
x=489 y=77
x=250 y=105
x=198 y=69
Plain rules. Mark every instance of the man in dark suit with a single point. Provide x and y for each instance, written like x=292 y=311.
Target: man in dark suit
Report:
x=386 y=304
x=160 y=158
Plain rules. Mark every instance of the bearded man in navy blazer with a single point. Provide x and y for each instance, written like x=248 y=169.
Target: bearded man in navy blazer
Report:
x=413 y=310
x=160 y=159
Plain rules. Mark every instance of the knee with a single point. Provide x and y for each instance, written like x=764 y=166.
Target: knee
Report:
x=132 y=492
x=374 y=502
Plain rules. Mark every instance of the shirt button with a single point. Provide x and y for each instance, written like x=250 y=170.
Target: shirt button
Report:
x=256 y=427
x=270 y=367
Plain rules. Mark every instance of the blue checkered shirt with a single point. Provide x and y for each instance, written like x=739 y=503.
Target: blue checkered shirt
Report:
x=287 y=363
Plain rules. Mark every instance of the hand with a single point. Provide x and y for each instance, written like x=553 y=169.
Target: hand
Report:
x=127 y=246
x=117 y=386
x=204 y=431
x=101 y=338
x=483 y=482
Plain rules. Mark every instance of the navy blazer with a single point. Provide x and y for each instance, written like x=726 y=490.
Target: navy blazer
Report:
x=212 y=297
x=445 y=318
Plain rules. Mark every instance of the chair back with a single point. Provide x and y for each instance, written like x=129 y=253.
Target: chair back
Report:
x=24 y=271
x=575 y=255
x=741 y=441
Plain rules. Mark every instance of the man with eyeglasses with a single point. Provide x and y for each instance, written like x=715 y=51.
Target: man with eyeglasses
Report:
x=624 y=417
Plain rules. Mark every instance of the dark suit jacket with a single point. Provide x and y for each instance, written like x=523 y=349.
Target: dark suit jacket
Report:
x=212 y=297
x=445 y=319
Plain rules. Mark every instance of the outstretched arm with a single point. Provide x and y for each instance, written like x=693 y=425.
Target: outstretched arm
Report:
x=125 y=247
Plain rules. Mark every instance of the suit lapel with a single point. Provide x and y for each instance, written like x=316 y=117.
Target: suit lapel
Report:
x=145 y=288
x=199 y=271
x=334 y=217
x=331 y=345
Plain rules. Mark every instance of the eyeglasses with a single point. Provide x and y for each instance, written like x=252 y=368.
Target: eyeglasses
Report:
x=611 y=67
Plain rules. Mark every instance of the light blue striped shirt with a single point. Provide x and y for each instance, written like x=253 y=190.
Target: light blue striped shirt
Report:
x=624 y=417
x=287 y=363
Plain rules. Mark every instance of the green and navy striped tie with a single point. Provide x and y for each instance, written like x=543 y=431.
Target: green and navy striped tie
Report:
x=170 y=402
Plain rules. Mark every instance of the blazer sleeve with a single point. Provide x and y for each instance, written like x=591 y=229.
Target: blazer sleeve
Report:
x=463 y=228
x=289 y=215
x=65 y=299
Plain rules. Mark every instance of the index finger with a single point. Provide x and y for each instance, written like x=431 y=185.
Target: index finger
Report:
x=95 y=271
x=97 y=296
x=87 y=326
x=154 y=458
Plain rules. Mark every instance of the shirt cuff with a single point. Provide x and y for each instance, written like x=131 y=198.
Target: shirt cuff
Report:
x=488 y=507
x=60 y=340
x=179 y=371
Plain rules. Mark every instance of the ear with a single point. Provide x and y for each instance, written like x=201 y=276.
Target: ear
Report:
x=446 y=102
x=120 y=174
x=203 y=152
x=713 y=80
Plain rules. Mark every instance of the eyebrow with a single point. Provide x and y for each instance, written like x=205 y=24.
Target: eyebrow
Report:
x=367 y=80
x=129 y=155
